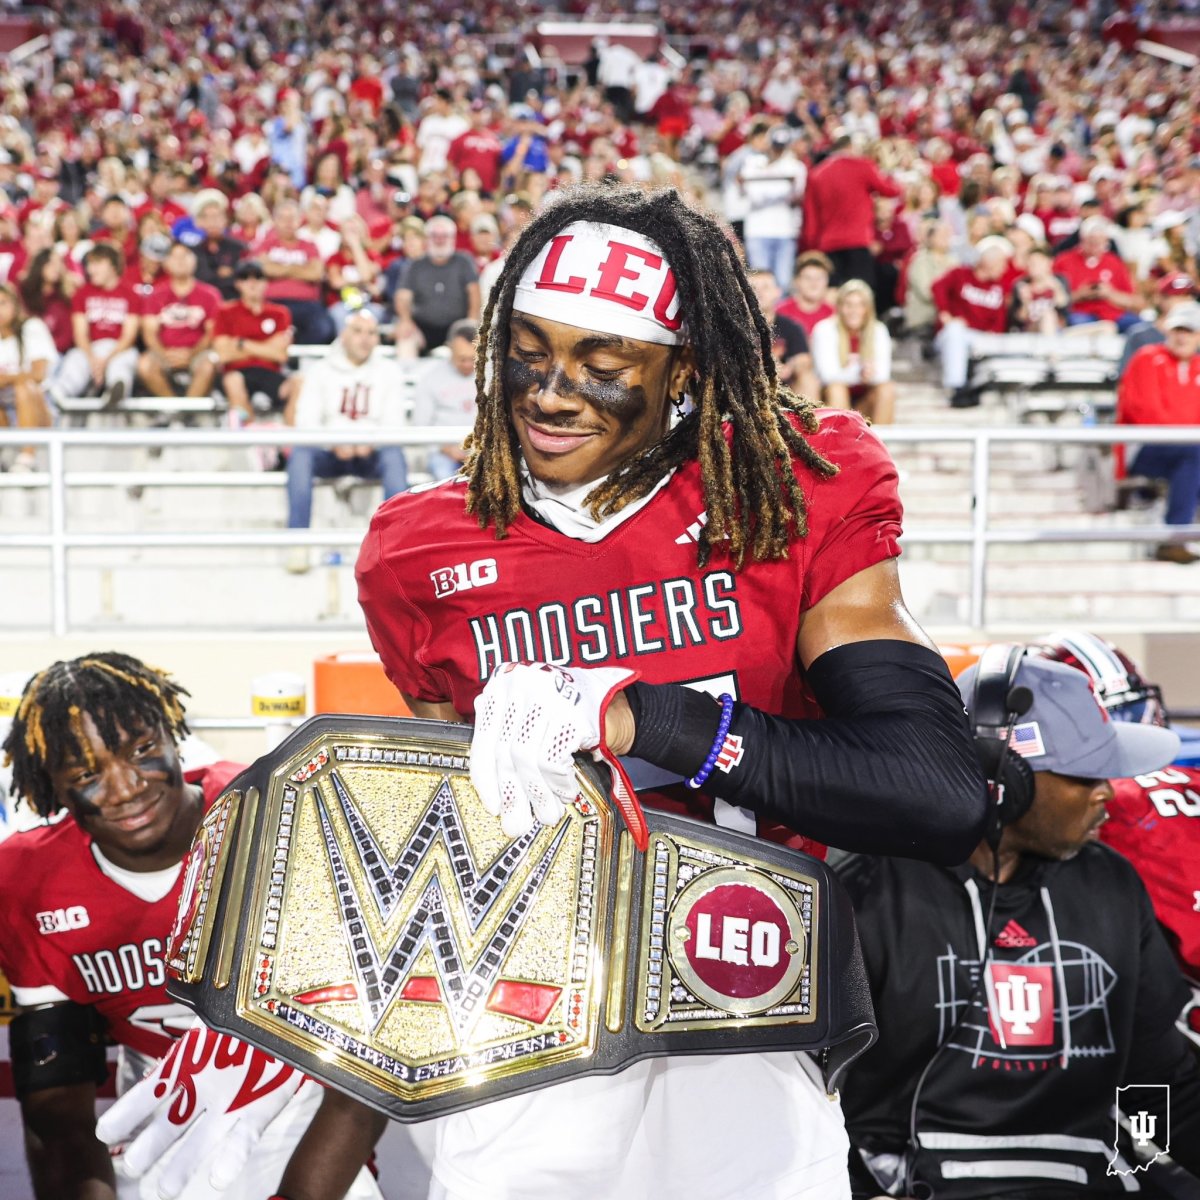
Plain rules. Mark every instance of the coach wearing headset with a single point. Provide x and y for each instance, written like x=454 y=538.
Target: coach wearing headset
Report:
x=1008 y=1015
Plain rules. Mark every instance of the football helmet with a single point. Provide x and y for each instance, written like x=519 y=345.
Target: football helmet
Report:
x=1114 y=675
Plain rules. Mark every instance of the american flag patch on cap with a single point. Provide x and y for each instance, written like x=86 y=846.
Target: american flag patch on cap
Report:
x=1027 y=740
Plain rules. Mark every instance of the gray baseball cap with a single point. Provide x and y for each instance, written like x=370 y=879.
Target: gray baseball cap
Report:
x=1066 y=729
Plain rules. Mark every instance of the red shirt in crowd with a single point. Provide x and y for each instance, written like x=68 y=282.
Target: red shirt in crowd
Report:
x=344 y=260
x=895 y=243
x=271 y=248
x=57 y=315
x=1059 y=223
x=106 y=309
x=368 y=88
x=13 y=257
x=790 y=308
x=1159 y=389
x=1079 y=269
x=1039 y=301
x=182 y=320
x=946 y=176
x=31 y=207
x=235 y=320
x=838 y=213
x=167 y=209
x=127 y=244
x=478 y=149
x=981 y=303
x=143 y=284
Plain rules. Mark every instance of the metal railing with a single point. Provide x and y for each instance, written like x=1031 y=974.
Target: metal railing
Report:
x=978 y=535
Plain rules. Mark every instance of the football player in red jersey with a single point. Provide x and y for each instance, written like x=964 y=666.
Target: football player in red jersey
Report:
x=1154 y=819
x=86 y=905
x=747 y=549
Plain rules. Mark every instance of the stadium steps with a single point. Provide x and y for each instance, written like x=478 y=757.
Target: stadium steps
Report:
x=1040 y=582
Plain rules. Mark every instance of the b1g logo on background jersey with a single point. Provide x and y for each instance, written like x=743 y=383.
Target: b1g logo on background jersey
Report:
x=463 y=577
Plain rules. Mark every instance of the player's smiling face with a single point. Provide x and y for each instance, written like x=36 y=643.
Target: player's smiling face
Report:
x=132 y=800
x=583 y=402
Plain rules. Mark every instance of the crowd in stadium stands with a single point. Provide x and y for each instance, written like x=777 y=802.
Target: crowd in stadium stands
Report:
x=984 y=168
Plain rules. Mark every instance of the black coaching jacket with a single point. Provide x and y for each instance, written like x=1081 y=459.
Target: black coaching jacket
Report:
x=1085 y=995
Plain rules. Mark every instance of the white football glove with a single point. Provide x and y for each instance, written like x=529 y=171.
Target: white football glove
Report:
x=530 y=721
x=206 y=1105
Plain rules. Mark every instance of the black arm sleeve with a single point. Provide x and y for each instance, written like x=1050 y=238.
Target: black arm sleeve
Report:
x=890 y=770
x=56 y=1046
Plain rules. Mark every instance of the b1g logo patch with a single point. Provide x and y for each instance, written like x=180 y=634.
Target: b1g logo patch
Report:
x=737 y=940
x=463 y=577
x=62 y=920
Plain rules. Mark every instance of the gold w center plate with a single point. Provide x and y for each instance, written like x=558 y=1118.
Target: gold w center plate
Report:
x=350 y=907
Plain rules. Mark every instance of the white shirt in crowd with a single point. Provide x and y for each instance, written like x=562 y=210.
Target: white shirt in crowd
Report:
x=335 y=394
x=444 y=396
x=250 y=149
x=487 y=280
x=866 y=123
x=35 y=345
x=326 y=239
x=618 y=67
x=434 y=135
x=782 y=90
x=651 y=79
x=734 y=202
x=773 y=193
x=827 y=361
x=342 y=203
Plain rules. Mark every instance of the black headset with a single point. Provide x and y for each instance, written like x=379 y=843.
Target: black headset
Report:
x=996 y=705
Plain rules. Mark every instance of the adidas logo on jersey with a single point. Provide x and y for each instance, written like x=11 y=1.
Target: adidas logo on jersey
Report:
x=692 y=533
x=1013 y=937
x=62 y=920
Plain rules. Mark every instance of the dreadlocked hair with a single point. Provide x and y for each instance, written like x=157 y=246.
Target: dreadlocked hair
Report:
x=755 y=506
x=119 y=693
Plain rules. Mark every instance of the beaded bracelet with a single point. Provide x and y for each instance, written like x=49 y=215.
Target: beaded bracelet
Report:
x=705 y=771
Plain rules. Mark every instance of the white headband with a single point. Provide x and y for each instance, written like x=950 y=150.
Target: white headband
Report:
x=606 y=278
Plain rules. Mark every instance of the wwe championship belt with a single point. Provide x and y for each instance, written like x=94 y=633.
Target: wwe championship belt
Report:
x=350 y=907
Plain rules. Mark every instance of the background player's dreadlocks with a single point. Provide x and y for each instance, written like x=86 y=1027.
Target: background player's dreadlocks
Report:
x=753 y=502
x=117 y=691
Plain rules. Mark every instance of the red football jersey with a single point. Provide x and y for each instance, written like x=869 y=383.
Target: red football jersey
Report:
x=446 y=602
x=65 y=925
x=1154 y=820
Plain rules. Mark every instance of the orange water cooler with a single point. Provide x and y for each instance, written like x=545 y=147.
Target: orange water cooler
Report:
x=354 y=682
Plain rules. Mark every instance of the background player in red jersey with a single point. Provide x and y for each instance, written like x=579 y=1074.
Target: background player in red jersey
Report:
x=747 y=548
x=86 y=904
x=1153 y=819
